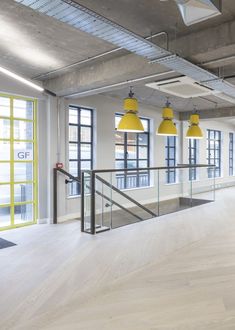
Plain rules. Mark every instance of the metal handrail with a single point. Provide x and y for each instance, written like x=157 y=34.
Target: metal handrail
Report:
x=55 y=171
x=112 y=170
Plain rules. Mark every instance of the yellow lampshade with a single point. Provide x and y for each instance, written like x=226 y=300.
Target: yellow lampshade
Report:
x=194 y=131
x=130 y=104
x=130 y=122
x=167 y=127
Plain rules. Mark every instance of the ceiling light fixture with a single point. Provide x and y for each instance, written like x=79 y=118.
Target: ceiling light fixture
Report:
x=130 y=122
x=194 y=131
x=21 y=79
x=167 y=126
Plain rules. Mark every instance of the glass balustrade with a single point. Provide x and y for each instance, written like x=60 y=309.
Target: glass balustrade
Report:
x=119 y=197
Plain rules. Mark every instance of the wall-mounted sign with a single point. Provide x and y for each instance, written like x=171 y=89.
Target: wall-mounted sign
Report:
x=23 y=154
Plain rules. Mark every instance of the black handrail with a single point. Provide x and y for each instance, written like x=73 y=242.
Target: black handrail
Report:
x=77 y=179
x=125 y=195
x=55 y=187
x=149 y=168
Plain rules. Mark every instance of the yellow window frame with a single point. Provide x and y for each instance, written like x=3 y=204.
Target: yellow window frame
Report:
x=12 y=183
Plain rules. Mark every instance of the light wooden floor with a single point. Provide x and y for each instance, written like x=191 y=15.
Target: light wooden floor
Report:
x=174 y=273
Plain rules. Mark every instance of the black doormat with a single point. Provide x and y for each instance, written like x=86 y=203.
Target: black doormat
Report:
x=5 y=244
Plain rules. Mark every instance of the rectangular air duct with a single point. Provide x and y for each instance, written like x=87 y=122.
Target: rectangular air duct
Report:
x=195 y=11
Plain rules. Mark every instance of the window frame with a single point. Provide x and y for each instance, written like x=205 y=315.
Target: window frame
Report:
x=125 y=159
x=193 y=159
x=74 y=186
x=212 y=160
x=168 y=147
x=231 y=151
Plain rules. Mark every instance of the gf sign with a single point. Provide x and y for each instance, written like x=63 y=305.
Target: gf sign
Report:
x=23 y=155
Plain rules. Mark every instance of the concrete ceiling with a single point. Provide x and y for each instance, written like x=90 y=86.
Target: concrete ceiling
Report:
x=33 y=44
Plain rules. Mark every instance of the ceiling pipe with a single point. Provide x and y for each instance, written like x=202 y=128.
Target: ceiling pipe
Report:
x=89 y=59
x=119 y=84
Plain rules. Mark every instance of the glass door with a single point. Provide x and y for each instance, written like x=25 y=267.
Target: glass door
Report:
x=18 y=161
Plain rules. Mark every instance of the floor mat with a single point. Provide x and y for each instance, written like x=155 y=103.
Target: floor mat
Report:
x=5 y=244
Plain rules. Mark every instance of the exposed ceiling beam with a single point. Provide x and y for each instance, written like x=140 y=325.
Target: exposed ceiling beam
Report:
x=215 y=113
x=70 y=12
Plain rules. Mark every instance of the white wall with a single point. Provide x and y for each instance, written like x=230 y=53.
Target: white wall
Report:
x=105 y=109
x=53 y=146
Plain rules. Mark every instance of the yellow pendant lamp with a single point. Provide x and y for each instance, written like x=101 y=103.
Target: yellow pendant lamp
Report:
x=130 y=122
x=194 y=131
x=167 y=127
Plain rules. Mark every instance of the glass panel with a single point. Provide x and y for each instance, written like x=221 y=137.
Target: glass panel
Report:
x=23 y=130
x=171 y=176
x=144 y=179
x=131 y=181
x=117 y=120
x=171 y=141
x=131 y=138
x=23 y=213
x=4 y=107
x=23 y=151
x=85 y=165
x=4 y=128
x=119 y=151
x=23 y=172
x=73 y=116
x=171 y=152
x=73 y=151
x=143 y=163
x=23 y=193
x=5 y=216
x=145 y=123
x=73 y=168
x=143 y=152
x=131 y=164
x=4 y=172
x=119 y=137
x=23 y=109
x=73 y=133
x=131 y=152
x=217 y=135
x=85 y=151
x=5 y=193
x=4 y=150
x=74 y=188
x=85 y=134
x=143 y=138
x=119 y=164
x=211 y=134
x=85 y=117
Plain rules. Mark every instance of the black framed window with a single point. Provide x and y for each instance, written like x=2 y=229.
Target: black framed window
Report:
x=214 y=152
x=80 y=143
x=170 y=152
x=231 y=141
x=132 y=151
x=192 y=158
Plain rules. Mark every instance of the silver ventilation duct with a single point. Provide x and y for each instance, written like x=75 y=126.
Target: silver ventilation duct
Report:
x=195 y=11
x=84 y=19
